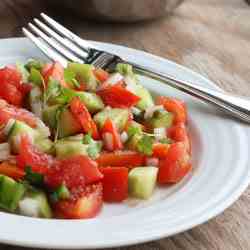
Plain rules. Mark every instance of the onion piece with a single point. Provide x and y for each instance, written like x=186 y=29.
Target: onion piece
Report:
x=124 y=136
x=4 y=151
x=152 y=161
x=42 y=128
x=149 y=112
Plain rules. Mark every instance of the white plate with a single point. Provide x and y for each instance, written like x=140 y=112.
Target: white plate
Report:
x=221 y=173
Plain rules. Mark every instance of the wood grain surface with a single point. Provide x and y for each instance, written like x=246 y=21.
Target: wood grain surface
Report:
x=211 y=37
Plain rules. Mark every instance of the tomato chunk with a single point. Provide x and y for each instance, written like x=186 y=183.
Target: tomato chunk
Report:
x=74 y=172
x=179 y=133
x=12 y=89
x=160 y=150
x=11 y=171
x=82 y=115
x=176 y=164
x=121 y=158
x=174 y=106
x=82 y=205
x=115 y=183
x=8 y=112
x=55 y=71
x=30 y=156
x=101 y=74
x=111 y=136
x=117 y=96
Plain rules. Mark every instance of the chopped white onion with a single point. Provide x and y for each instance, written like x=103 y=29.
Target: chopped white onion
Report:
x=4 y=151
x=152 y=161
x=149 y=112
x=113 y=79
x=136 y=111
x=8 y=126
x=160 y=133
x=108 y=141
x=29 y=207
x=124 y=136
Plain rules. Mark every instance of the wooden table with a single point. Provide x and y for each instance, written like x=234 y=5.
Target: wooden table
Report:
x=211 y=37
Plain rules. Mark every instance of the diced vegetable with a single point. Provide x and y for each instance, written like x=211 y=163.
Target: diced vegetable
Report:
x=122 y=158
x=11 y=171
x=142 y=181
x=35 y=204
x=118 y=116
x=83 y=205
x=11 y=192
x=82 y=115
x=84 y=73
x=115 y=183
x=160 y=119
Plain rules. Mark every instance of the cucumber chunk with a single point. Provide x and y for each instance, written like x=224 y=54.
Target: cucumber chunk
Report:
x=142 y=181
x=118 y=116
x=11 y=192
x=84 y=73
x=65 y=149
x=35 y=204
x=160 y=119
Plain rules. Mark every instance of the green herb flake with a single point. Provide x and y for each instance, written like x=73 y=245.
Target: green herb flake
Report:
x=94 y=149
x=145 y=145
x=33 y=178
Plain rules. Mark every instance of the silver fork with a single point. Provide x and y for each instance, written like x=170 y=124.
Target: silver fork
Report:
x=60 y=44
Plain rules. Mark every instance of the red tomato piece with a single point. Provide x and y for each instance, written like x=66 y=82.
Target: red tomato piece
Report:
x=115 y=183
x=174 y=106
x=12 y=90
x=176 y=164
x=8 y=112
x=179 y=133
x=111 y=136
x=74 y=172
x=82 y=205
x=11 y=171
x=121 y=158
x=160 y=150
x=30 y=156
x=101 y=74
x=82 y=115
x=55 y=71
x=117 y=96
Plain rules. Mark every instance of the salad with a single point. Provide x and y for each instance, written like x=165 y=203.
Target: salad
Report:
x=73 y=138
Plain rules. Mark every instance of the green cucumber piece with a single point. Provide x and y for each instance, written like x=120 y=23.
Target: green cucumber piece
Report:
x=92 y=101
x=118 y=116
x=142 y=181
x=11 y=192
x=160 y=119
x=45 y=145
x=35 y=204
x=66 y=149
x=84 y=73
x=35 y=101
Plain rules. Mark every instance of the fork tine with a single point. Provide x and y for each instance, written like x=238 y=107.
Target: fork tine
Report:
x=64 y=41
x=45 y=49
x=54 y=44
x=85 y=45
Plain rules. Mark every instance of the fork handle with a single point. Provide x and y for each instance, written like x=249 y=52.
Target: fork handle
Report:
x=237 y=106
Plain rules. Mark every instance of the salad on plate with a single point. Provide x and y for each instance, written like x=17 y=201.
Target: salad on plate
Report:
x=73 y=138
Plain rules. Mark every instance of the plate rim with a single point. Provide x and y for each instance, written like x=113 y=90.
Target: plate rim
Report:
x=228 y=202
